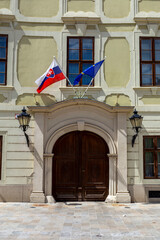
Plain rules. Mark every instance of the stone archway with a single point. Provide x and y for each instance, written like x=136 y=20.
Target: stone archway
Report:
x=80 y=115
x=79 y=126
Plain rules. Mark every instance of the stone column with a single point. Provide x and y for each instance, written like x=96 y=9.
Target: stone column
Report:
x=37 y=194
x=48 y=159
x=112 y=178
x=122 y=192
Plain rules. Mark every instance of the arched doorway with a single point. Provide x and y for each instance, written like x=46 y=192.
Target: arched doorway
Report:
x=80 y=167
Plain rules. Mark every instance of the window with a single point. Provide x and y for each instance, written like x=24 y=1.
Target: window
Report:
x=151 y=156
x=3 y=59
x=150 y=61
x=0 y=156
x=80 y=55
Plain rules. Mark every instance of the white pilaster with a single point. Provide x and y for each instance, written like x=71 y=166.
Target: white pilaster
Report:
x=37 y=194
x=122 y=192
x=112 y=177
x=48 y=177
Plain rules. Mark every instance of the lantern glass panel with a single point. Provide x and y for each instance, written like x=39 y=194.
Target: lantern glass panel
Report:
x=20 y=119
x=133 y=122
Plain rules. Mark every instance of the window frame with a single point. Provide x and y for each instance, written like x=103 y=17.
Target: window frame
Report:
x=154 y=150
x=5 y=59
x=153 y=61
x=1 y=141
x=80 y=61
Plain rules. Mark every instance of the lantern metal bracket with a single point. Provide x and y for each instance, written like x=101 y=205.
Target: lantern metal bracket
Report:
x=26 y=136
x=24 y=119
x=135 y=136
x=136 y=121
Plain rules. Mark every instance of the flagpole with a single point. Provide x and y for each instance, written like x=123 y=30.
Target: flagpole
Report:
x=87 y=87
x=67 y=78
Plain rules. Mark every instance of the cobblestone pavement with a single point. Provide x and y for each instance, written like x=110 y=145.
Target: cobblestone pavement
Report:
x=79 y=221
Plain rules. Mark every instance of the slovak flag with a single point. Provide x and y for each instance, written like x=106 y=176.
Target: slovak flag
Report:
x=52 y=75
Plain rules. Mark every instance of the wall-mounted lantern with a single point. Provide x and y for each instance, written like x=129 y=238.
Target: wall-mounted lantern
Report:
x=136 y=121
x=24 y=119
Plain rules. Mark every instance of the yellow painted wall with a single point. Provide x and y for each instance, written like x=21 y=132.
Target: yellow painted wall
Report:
x=2 y=98
x=118 y=100
x=151 y=100
x=35 y=99
x=40 y=27
x=116 y=28
x=81 y=5
x=116 y=8
x=35 y=54
x=117 y=63
x=149 y=5
x=39 y=8
x=5 y=4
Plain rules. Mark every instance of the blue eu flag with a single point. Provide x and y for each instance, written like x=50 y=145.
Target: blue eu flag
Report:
x=91 y=71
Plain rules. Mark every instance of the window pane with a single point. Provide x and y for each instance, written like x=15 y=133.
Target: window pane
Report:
x=87 y=43
x=149 y=157
x=146 y=55
x=73 y=43
x=2 y=53
x=157 y=72
x=158 y=157
x=157 y=79
x=87 y=55
x=86 y=65
x=157 y=55
x=86 y=80
x=158 y=170
x=158 y=160
x=3 y=41
x=149 y=171
x=148 y=143
x=2 y=67
x=146 y=44
x=146 y=68
x=157 y=44
x=73 y=54
x=2 y=78
x=157 y=68
x=146 y=80
x=73 y=68
x=72 y=77
x=158 y=142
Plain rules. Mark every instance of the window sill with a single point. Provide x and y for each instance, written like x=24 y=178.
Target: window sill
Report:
x=92 y=92
x=80 y=88
x=6 y=87
x=152 y=89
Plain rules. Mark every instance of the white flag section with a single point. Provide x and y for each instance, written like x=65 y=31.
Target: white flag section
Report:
x=52 y=75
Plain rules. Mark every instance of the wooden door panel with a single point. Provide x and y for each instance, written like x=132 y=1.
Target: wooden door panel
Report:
x=95 y=164
x=95 y=173
x=65 y=168
x=66 y=194
x=80 y=167
x=95 y=194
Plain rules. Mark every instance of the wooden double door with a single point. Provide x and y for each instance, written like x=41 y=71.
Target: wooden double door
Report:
x=80 y=167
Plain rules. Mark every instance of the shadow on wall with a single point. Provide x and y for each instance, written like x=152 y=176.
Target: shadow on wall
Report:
x=33 y=99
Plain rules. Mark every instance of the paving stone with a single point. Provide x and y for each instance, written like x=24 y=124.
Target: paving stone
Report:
x=79 y=221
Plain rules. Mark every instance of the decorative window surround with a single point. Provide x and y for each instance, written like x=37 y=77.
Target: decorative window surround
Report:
x=80 y=17
x=152 y=90
x=6 y=15
x=81 y=20
x=68 y=91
